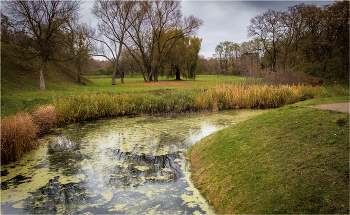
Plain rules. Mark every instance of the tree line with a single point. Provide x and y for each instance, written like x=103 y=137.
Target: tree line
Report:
x=153 y=37
x=306 y=38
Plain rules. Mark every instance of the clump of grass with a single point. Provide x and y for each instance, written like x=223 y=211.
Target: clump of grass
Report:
x=18 y=134
x=45 y=118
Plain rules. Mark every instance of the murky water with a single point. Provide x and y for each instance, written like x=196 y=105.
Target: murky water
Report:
x=127 y=165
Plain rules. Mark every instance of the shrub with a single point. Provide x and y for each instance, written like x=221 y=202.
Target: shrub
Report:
x=291 y=77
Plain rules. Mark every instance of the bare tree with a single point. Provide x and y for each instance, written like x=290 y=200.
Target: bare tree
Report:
x=114 y=21
x=43 y=22
x=153 y=34
x=268 y=28
x=80 y=45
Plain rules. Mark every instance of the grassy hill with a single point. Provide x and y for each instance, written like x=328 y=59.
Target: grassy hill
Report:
x=20 y=75
x=290 y=160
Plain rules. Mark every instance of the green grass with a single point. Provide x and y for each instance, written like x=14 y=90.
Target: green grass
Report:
x=330 y=100
x=288 y=160
x=20 y=81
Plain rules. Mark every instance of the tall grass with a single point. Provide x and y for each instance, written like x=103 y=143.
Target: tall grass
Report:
x=94 y=105
x=18 y=135
x=19 y=132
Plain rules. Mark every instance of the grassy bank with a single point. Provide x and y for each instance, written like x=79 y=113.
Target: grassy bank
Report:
x=289 y=160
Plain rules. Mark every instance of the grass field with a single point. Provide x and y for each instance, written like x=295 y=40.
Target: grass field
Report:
x=290 y=160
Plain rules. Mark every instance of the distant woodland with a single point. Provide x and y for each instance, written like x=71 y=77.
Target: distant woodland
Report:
x=304 y=43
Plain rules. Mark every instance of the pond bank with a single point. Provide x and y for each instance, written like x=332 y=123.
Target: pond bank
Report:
x=290 y=160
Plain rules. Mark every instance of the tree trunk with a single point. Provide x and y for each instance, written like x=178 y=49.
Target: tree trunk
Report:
x=79 y=74
x=42 y=71
x=323 y=71
x=177 y=73
x=144 y=77
x=114 y=72
x=116 y=64
x=149 y=74
x=156 y=73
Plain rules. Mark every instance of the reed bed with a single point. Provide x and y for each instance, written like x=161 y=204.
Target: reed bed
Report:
x=94 y=105
x=18 y=135
x=19 y=132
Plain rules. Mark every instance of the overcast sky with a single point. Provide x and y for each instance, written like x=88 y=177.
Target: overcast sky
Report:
x=222 y=20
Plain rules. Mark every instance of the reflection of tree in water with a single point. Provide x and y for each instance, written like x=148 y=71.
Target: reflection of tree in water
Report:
x=64 y=154
x=55 y=198
x=157 y=169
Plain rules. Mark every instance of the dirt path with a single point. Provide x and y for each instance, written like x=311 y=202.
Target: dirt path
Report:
x=342 y=107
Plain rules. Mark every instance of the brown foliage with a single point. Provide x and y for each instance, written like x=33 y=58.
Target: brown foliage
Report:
x=45 y=117
x=18 y=134
x=290 y=78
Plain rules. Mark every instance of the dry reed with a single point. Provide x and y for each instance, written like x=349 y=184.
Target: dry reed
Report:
x=45 y=117
x=18 y=134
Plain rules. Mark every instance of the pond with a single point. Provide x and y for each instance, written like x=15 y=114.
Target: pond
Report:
x=123 y=165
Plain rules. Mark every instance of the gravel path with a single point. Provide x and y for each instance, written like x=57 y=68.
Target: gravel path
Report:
x=342 y=107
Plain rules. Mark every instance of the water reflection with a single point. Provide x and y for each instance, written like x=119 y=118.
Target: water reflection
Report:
x=122 y=165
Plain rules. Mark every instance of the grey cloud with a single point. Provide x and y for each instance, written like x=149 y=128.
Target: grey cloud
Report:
x=229 y=20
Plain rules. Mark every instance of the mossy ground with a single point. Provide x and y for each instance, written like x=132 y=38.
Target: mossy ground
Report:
x=289 y=160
